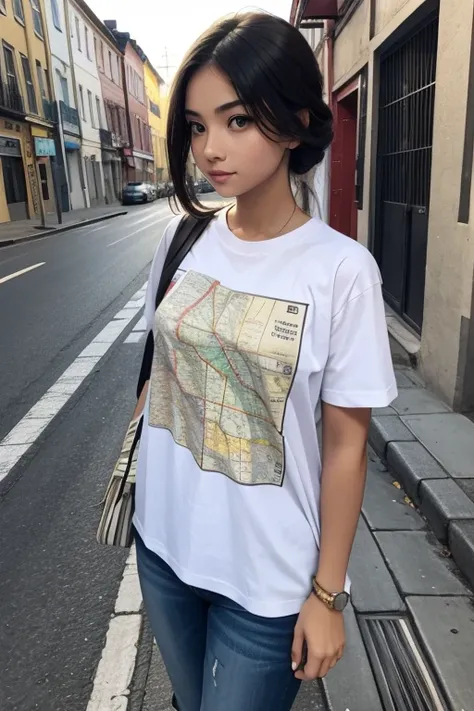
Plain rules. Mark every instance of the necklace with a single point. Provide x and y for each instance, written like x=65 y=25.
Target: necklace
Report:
x=281 y=228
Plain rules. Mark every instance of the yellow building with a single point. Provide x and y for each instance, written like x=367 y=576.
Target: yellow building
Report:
x=26 y=111
x=153 y=88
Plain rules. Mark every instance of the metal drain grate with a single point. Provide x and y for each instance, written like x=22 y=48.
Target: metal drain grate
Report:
x=403 y=674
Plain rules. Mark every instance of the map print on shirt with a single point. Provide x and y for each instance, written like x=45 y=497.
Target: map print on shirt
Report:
x=223 y=366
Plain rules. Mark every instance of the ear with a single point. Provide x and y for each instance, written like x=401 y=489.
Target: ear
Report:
x=303 y=115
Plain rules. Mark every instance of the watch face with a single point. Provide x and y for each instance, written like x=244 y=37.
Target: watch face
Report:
x=340 y=601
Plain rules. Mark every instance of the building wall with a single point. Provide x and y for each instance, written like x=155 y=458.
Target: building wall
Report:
x=137 y=100
x=23 y=40
x=153 y=92
x=87 y=79
x=446 y=356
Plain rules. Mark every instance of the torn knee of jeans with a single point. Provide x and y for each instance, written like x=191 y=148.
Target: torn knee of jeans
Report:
x=215 y=668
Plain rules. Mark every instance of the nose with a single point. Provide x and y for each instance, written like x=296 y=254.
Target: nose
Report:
x=214 y=149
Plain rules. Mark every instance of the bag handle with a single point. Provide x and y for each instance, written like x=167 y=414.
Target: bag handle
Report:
x=187 y=234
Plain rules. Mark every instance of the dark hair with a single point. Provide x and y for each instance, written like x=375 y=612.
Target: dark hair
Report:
x=275 y=74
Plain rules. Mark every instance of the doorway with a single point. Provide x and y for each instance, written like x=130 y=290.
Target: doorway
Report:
x=343 y=201
x=405 y=137
x=15 y=187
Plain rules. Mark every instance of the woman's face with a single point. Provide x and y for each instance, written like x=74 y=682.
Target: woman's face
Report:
x=227 y=146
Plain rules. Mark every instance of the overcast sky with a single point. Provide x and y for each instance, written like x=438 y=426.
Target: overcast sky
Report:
x=170 y=26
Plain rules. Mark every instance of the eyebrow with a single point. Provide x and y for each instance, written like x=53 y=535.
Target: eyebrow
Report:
x=219 y=110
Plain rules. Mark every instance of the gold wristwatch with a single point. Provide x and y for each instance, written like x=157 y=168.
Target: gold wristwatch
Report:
x=335 y=601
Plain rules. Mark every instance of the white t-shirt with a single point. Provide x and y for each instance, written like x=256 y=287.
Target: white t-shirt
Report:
x=247 y=342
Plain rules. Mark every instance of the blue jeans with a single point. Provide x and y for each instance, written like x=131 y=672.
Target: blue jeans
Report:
x=219 y=657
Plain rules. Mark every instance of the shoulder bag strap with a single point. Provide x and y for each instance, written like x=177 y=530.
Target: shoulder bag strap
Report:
x=187 y=233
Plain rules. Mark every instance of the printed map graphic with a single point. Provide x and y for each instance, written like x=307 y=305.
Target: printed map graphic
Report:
x=224 y=362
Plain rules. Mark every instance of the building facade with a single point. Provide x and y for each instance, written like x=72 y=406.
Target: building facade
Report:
x=70 y=177
x=27 y=117
x=139 y=157
x=400 y=80
x=113 y=130
x=153 y=87
x=88 y=92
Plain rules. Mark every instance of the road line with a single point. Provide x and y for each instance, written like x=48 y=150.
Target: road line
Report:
x=111 y=688
x=32 y=425
x=22 y=271
x=146 y=227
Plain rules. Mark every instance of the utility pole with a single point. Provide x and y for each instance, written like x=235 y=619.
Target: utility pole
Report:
x=166 y=66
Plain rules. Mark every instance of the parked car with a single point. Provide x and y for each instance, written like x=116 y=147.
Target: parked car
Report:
x=137 y=192
x=204 y=186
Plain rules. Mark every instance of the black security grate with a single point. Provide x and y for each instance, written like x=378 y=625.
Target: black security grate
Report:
x=405 y=141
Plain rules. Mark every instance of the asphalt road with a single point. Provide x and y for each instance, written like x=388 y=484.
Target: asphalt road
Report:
x=57 y=586
x=49 y=313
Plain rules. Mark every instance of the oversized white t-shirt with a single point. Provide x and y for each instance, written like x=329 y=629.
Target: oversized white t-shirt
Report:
x=250 y=339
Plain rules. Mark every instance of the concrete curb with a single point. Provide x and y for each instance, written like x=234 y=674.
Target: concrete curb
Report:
x=61 y=228
x=446 y=507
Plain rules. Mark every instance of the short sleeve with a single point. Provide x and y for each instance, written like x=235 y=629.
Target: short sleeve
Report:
x=359 y=370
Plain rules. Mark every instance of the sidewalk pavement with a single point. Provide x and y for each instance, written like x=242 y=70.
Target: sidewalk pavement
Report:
x=430 y=450
x=410 y=628
x=25 y=230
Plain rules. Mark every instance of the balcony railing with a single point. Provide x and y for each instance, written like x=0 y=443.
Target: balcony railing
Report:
x=50 y=110
x=69 y=119
x=105 y=138
x=11 y=99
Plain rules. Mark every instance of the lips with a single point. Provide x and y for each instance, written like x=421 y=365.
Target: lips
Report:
x=220 y=174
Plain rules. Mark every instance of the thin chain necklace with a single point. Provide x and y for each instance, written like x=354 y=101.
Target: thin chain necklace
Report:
x=281 y=228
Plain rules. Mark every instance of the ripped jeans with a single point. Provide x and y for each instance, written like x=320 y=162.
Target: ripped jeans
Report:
x=219 y=657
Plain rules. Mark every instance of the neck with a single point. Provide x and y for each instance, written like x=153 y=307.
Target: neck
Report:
x=261 y=213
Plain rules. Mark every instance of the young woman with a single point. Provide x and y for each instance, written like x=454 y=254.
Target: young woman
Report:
x=274 y=322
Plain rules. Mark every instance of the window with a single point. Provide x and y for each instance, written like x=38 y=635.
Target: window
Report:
x=119 y=73
x=12 y=80
x=99 y=112
x=56 y=14
x=18 y=10
x=110 y=64
x=95 y=48
x=30 y=89
x=154 y=108
x=81 y=98
x=37 y=21
x=78 y=33
x=88 y=51
x=64 y=87
x=102 y=55
x=39 y=73
x=91 y=108
x=3 y=7
x=47 y=84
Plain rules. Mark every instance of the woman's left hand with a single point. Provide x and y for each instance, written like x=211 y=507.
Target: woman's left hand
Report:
x=323 y=631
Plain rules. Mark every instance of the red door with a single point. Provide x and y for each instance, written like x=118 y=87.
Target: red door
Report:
x=343 y=205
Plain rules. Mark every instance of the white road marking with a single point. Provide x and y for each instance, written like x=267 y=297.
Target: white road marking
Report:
x=146 y=227
x=22 y=271
x=27 y=431
x=135 y=337
x=111 y=689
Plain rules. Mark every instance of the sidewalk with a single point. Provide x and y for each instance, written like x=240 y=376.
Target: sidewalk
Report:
x=24 y=230
x=430 y=450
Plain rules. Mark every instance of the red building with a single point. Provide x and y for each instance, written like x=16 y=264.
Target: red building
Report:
x=139 y=155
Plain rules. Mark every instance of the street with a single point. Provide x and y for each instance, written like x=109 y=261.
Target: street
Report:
x=71 y=633
x=57 y=585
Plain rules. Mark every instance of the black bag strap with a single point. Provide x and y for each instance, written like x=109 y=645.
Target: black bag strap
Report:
x=187 y=234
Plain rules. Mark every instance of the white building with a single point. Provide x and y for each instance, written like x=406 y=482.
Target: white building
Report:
x=89 y=101
x=71 y=181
